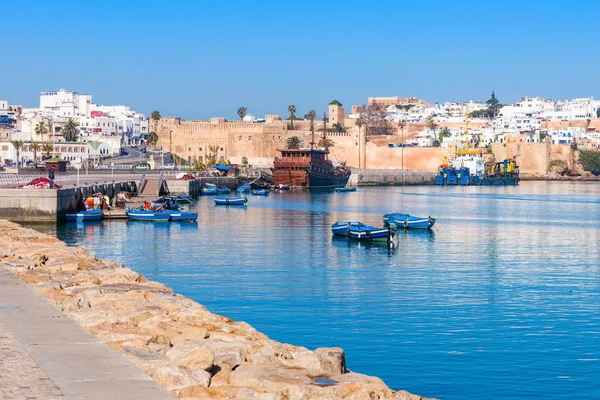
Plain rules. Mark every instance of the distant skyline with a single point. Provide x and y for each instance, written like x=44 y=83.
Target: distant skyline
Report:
x=202 y=59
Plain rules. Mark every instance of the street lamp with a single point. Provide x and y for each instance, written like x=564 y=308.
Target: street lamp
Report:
x=162 y=149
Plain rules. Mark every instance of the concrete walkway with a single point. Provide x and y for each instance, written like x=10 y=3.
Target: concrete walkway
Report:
x=46 y=355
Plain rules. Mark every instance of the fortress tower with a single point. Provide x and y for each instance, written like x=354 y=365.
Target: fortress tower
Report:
x=336 y=113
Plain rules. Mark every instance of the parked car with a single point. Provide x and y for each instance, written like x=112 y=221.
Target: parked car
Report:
x=141 y=166
x=40 y=165
x=169 y=166
x=30 y=164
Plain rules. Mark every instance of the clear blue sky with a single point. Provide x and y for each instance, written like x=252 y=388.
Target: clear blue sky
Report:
x=197 y=59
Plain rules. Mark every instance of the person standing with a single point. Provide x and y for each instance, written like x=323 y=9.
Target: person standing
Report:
x=51 y=177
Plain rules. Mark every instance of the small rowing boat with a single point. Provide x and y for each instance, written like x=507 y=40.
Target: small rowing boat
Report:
x=231 y=201
x=366 y=232
x=260 y=192
x=345 y=189
x=408 y=221
x=341 y=228
x=86 y=215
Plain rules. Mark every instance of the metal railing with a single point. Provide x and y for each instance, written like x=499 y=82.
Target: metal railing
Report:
x=7 y=179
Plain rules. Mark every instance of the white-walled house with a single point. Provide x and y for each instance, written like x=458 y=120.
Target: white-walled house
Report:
x=65 y=103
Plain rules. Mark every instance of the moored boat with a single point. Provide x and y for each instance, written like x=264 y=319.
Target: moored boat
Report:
x=367 y=232
x=260 y=192
x=231 y=201
x=223 y=190
x=182 y=216
x=208 y=191
x=345 y=189
x=86 y=215
x=156 y=215
x=245 y=188
x=407 y=221
x=281 y=186
x=341 y=228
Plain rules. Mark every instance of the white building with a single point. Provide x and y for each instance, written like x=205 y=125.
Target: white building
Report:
x=65 y=103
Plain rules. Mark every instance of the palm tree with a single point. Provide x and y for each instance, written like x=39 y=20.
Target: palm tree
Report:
x=213 y=150
x=292 y=111
x=41 y=129
x=155 y=116
x=293 y=142
x=70 y=131
x=50 y=128
x=47 y=147
x=444 y=133
x=35 y=147
x=242 y=112
x=152 y=139
x=326 y=143
x=432 y=125
x=359 y=122
x=311 y=115
x=18 y=144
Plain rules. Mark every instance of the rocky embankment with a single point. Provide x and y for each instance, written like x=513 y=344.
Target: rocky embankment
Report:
x=187 y=349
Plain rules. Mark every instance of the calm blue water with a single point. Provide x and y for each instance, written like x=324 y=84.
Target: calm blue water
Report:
x=501 y=301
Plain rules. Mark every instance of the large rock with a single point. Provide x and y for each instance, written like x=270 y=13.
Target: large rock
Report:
x=192 y=354
x=178 y=377
x=332 y=360
x=268 y=376
x=194 y=333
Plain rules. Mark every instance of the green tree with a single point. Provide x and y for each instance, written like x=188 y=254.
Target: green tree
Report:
x=436 y=143
x=293 y=142
x=311 y=115
x=213 y=151
x=152 y=139
x=47 y=147
x=337 y=127
x=326 y=143
x=18 y=144
x=41 y=129
x=35 y=147
x=155 y=116
x=70 y=131
x=292 y=111
x=432 y=125
x=444 y=133
x=590 y=161
x=493 y=105
x=242 y=112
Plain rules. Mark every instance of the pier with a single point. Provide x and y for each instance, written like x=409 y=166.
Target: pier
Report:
x=390 y=177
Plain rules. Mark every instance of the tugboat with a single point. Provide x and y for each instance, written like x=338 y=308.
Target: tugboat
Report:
x=468 y=168
x=309 y=168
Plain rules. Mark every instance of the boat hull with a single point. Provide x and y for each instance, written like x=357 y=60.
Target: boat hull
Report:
x=146 y=215
x=345 y=189
x=89 y=215
x=231 y=202
x=321 y=181
x=414 y=223
x=370 y=233
x=261 y=192
x=183 y=216
x=207 y=191
x=341 y=228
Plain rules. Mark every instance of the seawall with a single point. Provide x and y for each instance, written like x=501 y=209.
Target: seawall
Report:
x=190 y=351
x=50 y=205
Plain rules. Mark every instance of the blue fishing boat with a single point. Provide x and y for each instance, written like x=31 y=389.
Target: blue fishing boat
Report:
x=345 y=189
x=86 y=215
x=281 y=186
x=245 y=188
x=367 y=232
x=260 y=192
x=231 y=201
x=157 y=215
x=407 y=221
x=341 y=228
x=208 y=191
x=223 y=190
x=182 y=216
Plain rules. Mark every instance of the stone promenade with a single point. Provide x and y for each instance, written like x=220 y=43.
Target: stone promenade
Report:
x=46 y=355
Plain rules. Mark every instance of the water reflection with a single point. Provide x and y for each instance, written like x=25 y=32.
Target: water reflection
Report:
x=505 y=293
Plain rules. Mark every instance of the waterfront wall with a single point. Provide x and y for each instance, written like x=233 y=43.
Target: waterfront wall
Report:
x=387 y=177
x=190 y=351
x=50 y=205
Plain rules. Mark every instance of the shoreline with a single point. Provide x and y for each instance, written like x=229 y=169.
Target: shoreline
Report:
x=178 y=342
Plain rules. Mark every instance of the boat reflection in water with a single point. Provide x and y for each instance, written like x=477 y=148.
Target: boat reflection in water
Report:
x=345 y=242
